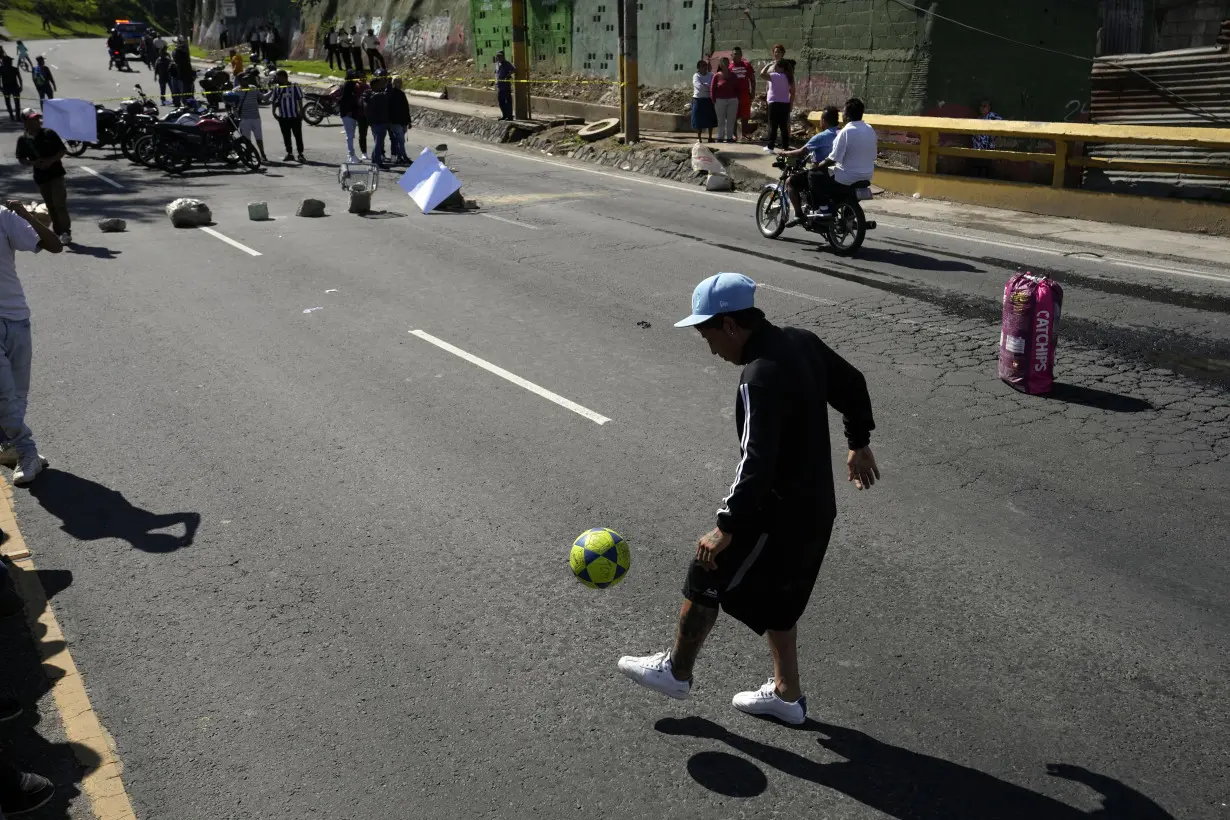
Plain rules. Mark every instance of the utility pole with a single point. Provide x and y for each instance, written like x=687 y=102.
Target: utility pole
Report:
x=631 y=82
x=620 y=58
x=521 y=59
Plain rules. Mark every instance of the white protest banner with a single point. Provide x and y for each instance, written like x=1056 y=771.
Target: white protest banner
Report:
x=429 y=181
x=71 y=119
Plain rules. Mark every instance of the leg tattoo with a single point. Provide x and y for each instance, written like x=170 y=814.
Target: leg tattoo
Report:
x=695 y=621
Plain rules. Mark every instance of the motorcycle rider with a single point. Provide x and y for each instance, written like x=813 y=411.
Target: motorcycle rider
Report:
x=115 y=49
x=853 y=158
x=818 y=147
x=23 y=56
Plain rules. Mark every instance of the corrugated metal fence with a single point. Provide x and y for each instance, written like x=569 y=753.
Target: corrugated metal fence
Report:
x=1188 y=87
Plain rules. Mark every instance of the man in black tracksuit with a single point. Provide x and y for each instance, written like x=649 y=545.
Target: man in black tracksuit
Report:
x=761 y=561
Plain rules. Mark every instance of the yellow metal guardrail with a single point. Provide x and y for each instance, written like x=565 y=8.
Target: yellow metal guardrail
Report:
x=1068 y=138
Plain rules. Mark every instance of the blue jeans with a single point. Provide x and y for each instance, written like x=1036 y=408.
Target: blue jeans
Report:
x=379 y=131
x=397 y=140
x=17 y=349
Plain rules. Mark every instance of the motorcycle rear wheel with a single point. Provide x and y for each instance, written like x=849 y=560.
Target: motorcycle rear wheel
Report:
x=771 y=213
x=848 y=228
x=145 y=150
x=74 y=148
x=173 y=162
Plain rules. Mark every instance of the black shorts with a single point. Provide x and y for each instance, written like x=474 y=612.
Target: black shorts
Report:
x=763 y=579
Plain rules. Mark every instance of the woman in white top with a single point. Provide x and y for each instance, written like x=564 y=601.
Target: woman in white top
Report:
x=703 y=113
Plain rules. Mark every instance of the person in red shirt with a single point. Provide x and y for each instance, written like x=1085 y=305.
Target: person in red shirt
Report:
x=724 y=91
x=746 y=76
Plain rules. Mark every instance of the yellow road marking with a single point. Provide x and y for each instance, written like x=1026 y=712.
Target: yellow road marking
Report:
x=102 y=784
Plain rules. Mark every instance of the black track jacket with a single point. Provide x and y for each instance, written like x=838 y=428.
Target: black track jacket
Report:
x=789 y=379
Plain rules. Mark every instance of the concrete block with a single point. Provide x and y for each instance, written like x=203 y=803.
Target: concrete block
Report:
x=112 y=225
x=189 y=213
x=258 y=211
x=311 y=208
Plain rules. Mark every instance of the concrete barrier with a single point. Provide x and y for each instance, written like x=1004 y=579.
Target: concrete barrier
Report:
x=590 y=112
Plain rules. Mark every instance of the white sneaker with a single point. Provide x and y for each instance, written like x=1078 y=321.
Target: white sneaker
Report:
x=28 y=469
x=362 y=157
x=352 y=159
x=765 y=701
x=654 y=672
x=8 y=456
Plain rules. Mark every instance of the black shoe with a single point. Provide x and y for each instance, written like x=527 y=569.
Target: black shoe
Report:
x=9 y=709
x=301 y=158
x=288 y=158
x=33 y=793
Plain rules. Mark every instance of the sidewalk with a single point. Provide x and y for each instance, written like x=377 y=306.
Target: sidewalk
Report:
x=750 y=165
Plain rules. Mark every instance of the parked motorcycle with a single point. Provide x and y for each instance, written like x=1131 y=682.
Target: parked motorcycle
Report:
x=214 y=84
x=843 y=224
x=212 y=139
x=318 y=105
x=114 y=125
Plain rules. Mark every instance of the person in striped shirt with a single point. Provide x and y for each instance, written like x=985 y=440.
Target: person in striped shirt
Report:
x=287 y=104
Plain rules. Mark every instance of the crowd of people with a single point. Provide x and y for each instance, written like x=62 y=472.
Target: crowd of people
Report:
x=722 y=98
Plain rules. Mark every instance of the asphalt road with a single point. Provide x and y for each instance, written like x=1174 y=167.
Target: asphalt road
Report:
x=320 y=564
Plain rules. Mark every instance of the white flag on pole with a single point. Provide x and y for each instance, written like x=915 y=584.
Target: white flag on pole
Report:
x=71 y=119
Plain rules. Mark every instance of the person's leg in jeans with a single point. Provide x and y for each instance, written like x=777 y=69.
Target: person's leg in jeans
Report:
x=504 y=95
x=349 y=124
x=379 y=131
x=8 y=104
x=397 y=140
x=16 y=351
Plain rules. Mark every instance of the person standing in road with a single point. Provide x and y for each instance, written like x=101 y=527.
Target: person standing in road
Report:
x=356 y=48
x=781 y=93
x=287 y=104
x=159 y=43
x=184 y=72
x=11 y=84
x=224 y=39
x=703 y=113
x=399 y=121
x=343 y=49
x=371 y=45
x=42 y=149
x=254 y=45
x=504 y=72
x=724 y=90
x=44 y=82
x=331 y=42
x=376 y=104
x=350 y=106
x=22 y=232
x=270 y=47
x=236 y=64
x=162 y=73
x=746 y=75
x=761 y=561
x=245 y=102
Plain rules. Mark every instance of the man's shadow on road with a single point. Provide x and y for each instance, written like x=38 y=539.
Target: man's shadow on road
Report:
x=91 y=511
x=902 y=783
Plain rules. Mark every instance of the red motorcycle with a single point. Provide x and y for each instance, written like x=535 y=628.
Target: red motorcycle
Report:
x=213 y=139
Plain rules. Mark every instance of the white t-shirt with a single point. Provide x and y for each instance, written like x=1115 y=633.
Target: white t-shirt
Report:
x=370 y=42
x=854 y=152
x=19 y=235
x=700 y=85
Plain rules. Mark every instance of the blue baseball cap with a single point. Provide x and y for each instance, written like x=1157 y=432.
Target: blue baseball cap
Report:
x=723 y=293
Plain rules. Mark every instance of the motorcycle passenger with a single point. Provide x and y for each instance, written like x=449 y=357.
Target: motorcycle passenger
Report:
x=853 y=158
x=817 y=149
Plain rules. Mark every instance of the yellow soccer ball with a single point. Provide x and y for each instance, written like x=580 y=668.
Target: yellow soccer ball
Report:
x=600 y=558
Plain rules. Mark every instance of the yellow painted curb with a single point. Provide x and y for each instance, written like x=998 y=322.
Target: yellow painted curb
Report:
x=1189 y=216
x=102 y=783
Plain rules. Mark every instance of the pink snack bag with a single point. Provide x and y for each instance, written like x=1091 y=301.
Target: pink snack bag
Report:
x=1030 y=333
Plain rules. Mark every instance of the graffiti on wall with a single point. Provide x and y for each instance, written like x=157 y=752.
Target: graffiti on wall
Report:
x=431 y=37
x=819 y=90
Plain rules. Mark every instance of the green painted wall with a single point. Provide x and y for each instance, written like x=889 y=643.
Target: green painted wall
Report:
x=595 y=38
x=670 y=39
x=549 y=24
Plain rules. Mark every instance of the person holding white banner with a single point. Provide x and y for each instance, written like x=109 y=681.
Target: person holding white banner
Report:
x=42 y=149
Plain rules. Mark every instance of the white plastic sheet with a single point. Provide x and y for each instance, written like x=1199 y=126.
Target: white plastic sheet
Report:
x=71 y=119
x=429 y=181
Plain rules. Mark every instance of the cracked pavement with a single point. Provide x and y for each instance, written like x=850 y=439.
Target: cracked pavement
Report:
x=374 y=617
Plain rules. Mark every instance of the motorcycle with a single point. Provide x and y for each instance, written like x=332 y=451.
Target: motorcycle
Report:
x=119 y=61
x=843 y=224
x=318 y=105
x=212 y=139
x=115 y=126
x=214 y=84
